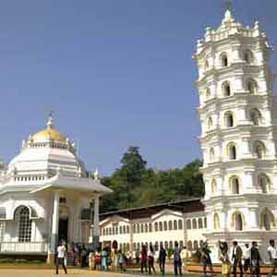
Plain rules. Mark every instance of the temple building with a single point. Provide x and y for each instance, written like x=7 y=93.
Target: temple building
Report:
x=43 y=192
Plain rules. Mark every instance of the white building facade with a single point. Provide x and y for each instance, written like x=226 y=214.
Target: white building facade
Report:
x=238 y=140
x=43 y=191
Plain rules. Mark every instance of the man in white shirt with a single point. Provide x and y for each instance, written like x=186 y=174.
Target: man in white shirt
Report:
x=246 y=257
x=61 y=252
x=272 y=252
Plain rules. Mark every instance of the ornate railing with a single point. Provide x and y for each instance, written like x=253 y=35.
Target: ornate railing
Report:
x=23 y=247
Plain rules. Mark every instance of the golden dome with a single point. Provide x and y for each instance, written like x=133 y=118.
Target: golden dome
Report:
x=49 y=134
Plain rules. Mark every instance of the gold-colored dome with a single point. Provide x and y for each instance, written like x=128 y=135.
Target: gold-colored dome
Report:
x=49 y=134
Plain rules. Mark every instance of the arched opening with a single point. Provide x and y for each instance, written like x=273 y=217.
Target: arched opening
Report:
x=24 y=223
x=224 y=60
x=175 y=227
x=259 y=149
x=170 y=225
x=251 y=86
x=165 y=226
x=232 y=151
x=237 y=221
x=188 y=224
x=267 y=220
x=195 y=245
x=194 y=224
x=255 y=116
x=200 y=223
x=216 y=222
x=190 y=245
x=226 y=88
x=235 y=187
x=264 y=183
x=248 y=56
x=214 y=186
x=210 y=123
x=211 y=154
x=229 y=119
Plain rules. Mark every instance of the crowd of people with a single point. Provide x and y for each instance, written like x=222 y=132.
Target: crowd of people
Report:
x=246 y=261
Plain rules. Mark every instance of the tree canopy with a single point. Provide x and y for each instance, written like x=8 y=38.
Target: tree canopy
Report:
x=134 y=184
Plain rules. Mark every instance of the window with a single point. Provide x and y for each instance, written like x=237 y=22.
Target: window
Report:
x=190 y=245
x=264 y=183
x=267 y=220
x=165 y=226
x=235 y=188
x=188 y=224
x=194 y=224
x=170 y=225
x=166 y=245
x=229 y=119
x=146 y=227
x=127 y=229
x=213 y=186
x=195 y=245
x=180 y=224
x=255 y=116
x=150 y=227
x=156 y=226
x=200 y=223
x=160 y=226
x=248 y=56
x=141 y=228
x=251 y=86
x=216 y=221
x=211 y=155
x=224 y=60
x=259 y=149
x=237 y=221
x=22 y=216
x=124 y=229
x=175 y=225
x=226 y=89
x=171 y=244
x=205 y=222
x=156 y=246
x=120 y=229
x=232 y=151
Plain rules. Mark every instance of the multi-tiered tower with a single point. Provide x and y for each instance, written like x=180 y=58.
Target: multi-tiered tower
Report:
x=238 y=137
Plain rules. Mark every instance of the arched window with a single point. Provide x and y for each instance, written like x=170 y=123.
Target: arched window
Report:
x=255 y=116
x=190 y=245
x=267 y=220
x=160 y=226
x=264 y=183
x=211 y=155
x=175 y=225
x=210 y=123
x=216 y=221
x=259 y=149
x=142 y=228
x=150 y=227
x=214 y=186
x=180 y=224
x=229 y=119
x=146 y=227
x=170 y=225
x=207 y=93
x=232 y=151
x=165 y=226
x=22 y=217
x=194 y=224
x=156 y=226
x=237 y=221
x=166 y=245
x=124 y=229
x=248 y=56
x=205 y=222
x=224 y=60
x=188 y=224
x=195 y=245
x=251 y=86
x=234 y=182
x=226 y=88
x=171 y=244
x=127 y=229
x=200 y=223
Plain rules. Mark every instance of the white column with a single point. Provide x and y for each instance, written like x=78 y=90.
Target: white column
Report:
x=55 y=222
x=96 y=222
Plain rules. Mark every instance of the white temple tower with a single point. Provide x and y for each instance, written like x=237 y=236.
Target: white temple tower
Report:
x=238 y=138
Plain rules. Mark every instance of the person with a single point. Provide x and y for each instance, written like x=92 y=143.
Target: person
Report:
x=255 y=260
x=114 y=259
x=224 y=258
x=162 y=257
x=104 y=259
x=246 y=258
x=272 y=253
x=184 y=255
x=237 y=259
x=206 y=258
x=177 y=260
x=137 y=256
x=121 y=261
x=83 y=255
x=143 y=259
x=97 y=258
x=150 y=257
x=91 y=260
x=61 y=253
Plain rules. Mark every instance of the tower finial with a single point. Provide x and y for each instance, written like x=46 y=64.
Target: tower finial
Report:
x=50 y=122
x=229 y=5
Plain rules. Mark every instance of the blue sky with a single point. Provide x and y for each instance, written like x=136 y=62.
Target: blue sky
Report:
x=116 y=73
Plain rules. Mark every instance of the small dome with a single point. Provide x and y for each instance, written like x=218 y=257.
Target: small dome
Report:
x=49 y=134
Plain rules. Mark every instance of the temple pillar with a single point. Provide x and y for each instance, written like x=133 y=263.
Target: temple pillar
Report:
x=96 y=223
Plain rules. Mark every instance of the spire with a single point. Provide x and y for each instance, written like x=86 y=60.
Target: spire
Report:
x=50 y=122
x=228 y=11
